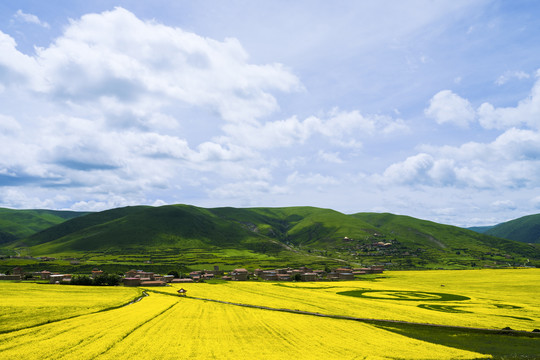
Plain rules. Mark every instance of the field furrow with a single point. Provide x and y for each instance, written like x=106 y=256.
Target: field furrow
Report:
x=83 y=337
x=208 y=330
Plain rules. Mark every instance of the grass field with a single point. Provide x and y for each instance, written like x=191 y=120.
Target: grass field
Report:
x=95 y=325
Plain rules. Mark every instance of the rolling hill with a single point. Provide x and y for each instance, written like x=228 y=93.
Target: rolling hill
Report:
x=17 y=224
x=193 y=236
x=524 y=229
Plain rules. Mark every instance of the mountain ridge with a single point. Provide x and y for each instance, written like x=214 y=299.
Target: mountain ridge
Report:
x=193 y=235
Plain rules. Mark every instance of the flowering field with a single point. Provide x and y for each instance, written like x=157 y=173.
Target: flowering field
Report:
x=162 y=326
x=26 y=304
x=474 y=298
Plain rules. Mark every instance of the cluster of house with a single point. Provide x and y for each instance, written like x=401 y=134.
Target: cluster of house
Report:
x=19 y=274
x=287 y=274
x=146 y=278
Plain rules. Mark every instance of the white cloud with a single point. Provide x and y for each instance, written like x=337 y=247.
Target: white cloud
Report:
x=311 y=179
x=8 y=125
x=118 y=61
x=507 y=76
x=527 y=112
x=504 y=204
x=341 y=128
x=447 y=107
x=331 y=157
x=414 y=170
x=30 y=18
x=15 y=198
x=536 y=202
x=512 y=160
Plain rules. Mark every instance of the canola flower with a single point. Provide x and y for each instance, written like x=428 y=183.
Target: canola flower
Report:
x=170 y=327
x=27 y=304
x=82 y=337
x=206 y=330
x=495 y=298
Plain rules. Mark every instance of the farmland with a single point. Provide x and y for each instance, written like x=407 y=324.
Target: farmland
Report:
x=70 y=322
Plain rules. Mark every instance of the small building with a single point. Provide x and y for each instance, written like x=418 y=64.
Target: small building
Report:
x=332 y=276
x=131 y=281
x=9 y=277
x=56 y=278
x=168 y=278
x=359 y=272
x=182 y=292
x=186 y=280
x=18 y=271
x=309 y=277
x=45 y=275
x=96 y=272
x=346 y=276
x=269 y=275
x=284 y=277
x=239 y=274
x=258 y=272
x=153 y=283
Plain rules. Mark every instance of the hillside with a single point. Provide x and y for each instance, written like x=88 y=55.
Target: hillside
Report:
x=480 y=229
x=193 y=237
x=524 y=229
x=143 y=228
x=17 y=224
x=445 y=243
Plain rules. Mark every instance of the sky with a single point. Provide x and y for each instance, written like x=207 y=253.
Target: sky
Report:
x=423 y=108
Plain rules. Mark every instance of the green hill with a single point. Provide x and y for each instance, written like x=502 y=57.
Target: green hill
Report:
x=17 y=224
x=480 y=229
x=442 y=238
x=524 y=229
x=142 y=228
x=189 y=236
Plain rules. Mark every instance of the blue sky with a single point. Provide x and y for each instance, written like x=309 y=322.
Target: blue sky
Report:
x=424 y=108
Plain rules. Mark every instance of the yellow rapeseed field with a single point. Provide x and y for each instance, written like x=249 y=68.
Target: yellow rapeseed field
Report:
x=26 y=304
x=166 y=327
x=90 y=323
x=206 y=330
x=496 y=298
x=82 y=337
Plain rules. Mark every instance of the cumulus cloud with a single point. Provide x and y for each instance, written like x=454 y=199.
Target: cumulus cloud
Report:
x=341 y=128
x=30 y=18
x=526 y=113
x=512 y=160
x=447 y=107
x=117 y=60
x=414 y=170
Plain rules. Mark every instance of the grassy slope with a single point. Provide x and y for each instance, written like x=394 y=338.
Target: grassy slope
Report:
x=444 y=238
x=525 y=229
x=306 y=226
x=177 y=229
x=17 y=224
x=138 y=229
x=480 y=229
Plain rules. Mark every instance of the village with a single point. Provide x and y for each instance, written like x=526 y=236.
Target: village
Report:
x=144 y=278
